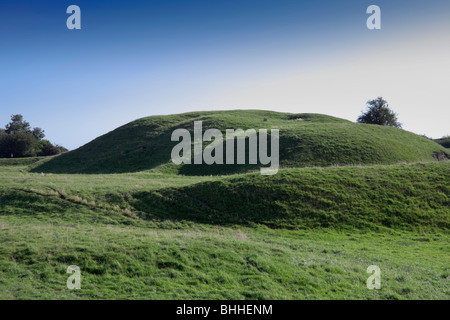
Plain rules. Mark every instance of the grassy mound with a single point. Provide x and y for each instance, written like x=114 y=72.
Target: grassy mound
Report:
x=305 y=140
x=406 y=197
x=413 y=197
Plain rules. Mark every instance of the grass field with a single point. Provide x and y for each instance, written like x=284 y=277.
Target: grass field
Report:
x=304 y=233
x=49 y=222
x=182 y=261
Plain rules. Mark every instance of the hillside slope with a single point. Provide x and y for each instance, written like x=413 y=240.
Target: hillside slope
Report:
x=413 y=197
x=305 y=140
x=407 y=196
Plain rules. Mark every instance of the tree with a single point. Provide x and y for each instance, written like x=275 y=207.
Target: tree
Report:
x=19 y=144
x=378 y=112
x=38 y=133
x=47 y=149
x=17 y=124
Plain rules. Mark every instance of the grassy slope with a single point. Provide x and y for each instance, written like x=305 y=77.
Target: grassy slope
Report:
x=316 y=140
x=404 y=196
x=409 y=197
x=132 y=243
x=205 y=262
x=186 y=232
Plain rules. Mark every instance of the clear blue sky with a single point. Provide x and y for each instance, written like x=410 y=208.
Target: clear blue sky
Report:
x=138 y=58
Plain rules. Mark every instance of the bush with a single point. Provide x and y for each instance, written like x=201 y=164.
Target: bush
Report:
x=47 y=149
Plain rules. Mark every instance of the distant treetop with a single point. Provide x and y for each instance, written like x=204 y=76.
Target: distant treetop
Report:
x=378 y=112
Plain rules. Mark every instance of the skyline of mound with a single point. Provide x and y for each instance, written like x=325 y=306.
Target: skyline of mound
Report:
x=306 y=139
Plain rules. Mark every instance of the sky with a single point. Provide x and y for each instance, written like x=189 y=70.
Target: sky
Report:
x=134 y=59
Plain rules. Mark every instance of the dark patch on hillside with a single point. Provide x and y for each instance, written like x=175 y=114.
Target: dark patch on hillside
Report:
x=441 y=156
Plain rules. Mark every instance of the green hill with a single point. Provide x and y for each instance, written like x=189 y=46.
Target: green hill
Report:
x=140 y=227
x=305 y=140
x=306 y=233
x=413 y=197
x=407 y=196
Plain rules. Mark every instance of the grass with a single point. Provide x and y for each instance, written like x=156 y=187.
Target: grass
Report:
x=347 y=196
x=205 y=262
x=305 y=140
x=129 y=248
x=407 y=197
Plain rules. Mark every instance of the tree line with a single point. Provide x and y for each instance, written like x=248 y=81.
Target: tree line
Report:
x=19 y=139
